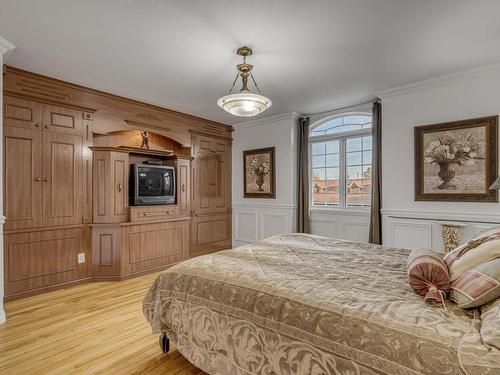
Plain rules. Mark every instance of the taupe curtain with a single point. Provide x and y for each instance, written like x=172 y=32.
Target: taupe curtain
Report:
x=375 y=235
x=303 y=176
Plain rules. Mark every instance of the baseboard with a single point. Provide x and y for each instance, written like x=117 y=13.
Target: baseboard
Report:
x=2 y=316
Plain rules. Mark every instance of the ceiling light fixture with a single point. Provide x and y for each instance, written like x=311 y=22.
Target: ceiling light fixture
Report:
x=245 y=103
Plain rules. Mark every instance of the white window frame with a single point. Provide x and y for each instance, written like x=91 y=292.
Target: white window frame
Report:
x=342 y=137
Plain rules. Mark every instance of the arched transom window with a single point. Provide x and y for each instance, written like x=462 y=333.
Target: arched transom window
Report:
x=341 y=160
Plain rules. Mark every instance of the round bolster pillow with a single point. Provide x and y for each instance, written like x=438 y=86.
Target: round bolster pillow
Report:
x=428 y=275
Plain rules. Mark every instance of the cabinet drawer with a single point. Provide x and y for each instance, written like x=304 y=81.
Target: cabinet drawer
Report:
x=152 y=213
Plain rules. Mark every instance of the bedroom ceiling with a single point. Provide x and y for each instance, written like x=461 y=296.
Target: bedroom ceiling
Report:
x=308 y=55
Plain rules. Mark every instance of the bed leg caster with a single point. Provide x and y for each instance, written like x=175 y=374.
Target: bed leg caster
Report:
x=164 y=343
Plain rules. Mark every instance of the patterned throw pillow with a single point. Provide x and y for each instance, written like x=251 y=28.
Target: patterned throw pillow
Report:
x=481 y=238
x=428 y=275
x=477 y=286
x=473 y=258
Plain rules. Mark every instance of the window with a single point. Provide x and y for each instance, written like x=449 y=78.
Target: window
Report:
x=341 y=161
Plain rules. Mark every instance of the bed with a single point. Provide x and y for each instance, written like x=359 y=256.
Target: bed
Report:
x=303 y=304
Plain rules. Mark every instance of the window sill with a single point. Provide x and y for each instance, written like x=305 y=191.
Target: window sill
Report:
x=348 y=211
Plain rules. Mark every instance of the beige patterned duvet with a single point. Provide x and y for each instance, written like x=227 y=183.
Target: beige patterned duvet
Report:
x=301 y=304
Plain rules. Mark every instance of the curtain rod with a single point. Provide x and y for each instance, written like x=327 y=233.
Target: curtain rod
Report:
x=376 y=99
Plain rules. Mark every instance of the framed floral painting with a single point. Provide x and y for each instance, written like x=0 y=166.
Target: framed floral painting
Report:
x=259 y=176
x=456 y=161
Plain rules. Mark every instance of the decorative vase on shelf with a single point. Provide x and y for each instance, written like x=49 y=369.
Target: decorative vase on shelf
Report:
x=259 y=180
x=446 y=174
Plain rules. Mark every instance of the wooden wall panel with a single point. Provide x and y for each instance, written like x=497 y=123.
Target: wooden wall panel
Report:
x=37 y=260
x=210 y=232
x=154 y=245
x=151 y=244
x=106 y=244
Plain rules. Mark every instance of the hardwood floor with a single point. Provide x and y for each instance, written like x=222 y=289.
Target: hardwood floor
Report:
x=94 y=328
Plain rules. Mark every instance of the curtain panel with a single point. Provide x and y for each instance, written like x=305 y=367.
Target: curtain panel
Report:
x=375 y=234
x=303 y=175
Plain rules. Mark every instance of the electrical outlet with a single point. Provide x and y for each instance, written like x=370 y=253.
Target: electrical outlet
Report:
x=81 y=257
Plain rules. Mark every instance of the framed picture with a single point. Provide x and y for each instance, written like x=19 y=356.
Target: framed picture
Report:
x=259 y=176
x=456 y=161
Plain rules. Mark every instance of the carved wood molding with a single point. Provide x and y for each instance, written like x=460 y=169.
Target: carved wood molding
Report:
x=452 y=235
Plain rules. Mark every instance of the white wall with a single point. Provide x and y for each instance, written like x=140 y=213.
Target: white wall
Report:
x=469 y=94
x=255 y=218
x=5 y=48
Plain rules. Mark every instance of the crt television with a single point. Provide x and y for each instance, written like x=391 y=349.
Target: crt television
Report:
x=151 y=184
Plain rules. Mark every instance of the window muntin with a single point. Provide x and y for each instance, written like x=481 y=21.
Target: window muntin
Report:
x=341 y=156
x=342 y=124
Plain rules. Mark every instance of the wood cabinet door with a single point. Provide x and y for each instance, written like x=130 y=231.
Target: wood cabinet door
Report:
x=183 y=184
x=204 y=182
x=62 y=179
x=119 y=186
x=22 y=113
x=220 y=182
x=62 y=120
x=22 y=178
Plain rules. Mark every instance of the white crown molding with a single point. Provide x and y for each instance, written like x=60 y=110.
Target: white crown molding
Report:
x=5 y=47
x=292 y=116
x=464 y=75
x=440 y=216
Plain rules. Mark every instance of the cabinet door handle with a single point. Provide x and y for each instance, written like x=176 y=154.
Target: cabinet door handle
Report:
x=183 y=187
x=119 y=188
x=46 y=126
x=37 y=125
x=46 y=179
x=38 y=179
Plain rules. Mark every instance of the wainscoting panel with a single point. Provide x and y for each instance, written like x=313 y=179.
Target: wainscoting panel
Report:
x=324 y=227
x=253 y=222
x=415 y=229
x=245 y=226
x=411 y=234
x=354 y=230
x=273 y=223
x=341 y=223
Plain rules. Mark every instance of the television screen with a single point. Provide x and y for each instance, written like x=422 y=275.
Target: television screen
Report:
x=151 y=184
x=155 y=182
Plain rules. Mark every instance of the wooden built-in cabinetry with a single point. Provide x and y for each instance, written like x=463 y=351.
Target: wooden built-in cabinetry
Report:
x=211 y=227
x=67 y=156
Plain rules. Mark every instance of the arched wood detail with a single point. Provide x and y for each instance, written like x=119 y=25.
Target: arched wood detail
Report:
x=133 y=138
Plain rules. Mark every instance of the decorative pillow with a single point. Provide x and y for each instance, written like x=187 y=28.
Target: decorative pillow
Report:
x=477 y=286
x=474 y=257
x=428 y=275
x=481 y=238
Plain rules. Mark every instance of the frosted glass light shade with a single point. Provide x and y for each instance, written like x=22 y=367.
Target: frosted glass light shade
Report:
x=244 y=104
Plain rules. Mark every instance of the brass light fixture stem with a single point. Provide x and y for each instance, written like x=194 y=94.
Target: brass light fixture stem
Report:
x=244 y=68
